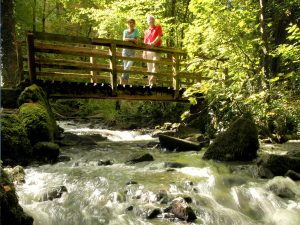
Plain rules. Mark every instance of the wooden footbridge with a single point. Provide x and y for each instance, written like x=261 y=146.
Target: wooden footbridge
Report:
x=79 y=67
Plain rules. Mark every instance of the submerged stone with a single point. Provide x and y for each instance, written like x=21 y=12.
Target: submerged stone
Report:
x=140 y=158
x=52 y=193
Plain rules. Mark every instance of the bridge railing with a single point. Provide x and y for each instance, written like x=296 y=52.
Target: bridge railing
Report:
x=61 y=57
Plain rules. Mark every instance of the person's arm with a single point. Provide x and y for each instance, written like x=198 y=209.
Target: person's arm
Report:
x=158 y=38
x=134 y=39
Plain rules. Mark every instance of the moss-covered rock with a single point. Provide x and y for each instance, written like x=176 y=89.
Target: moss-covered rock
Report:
x=11 y=212
x=15 y=145
x=34 y=105
x=47 y=152
x=37 y=123
x=238 y=143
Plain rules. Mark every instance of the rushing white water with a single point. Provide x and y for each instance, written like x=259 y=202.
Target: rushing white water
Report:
x=98 y=195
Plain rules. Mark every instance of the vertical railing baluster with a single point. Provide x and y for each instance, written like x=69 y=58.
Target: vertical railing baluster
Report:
x=31 y=59
x=175 y=68
x=93 y=73
x=113 y=67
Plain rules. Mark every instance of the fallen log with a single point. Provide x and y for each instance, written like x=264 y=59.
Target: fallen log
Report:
x=177 y=144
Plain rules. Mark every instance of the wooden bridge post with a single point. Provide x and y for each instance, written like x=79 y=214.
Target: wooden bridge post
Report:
x=175 y=67
x=20 y=61
x=93 y=73
x=31 y=59
x=113 y=67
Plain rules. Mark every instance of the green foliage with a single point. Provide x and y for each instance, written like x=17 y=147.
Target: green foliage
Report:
x=224 y=45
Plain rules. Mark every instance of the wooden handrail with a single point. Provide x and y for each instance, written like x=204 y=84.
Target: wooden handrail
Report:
x=62 y=56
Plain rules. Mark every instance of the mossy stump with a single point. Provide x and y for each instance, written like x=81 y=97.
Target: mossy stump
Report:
x=36 y=115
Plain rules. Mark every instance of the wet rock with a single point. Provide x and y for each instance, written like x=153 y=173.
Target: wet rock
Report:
x=55 y=192
x=282 y=187
x=153 y=213
x=230 y=180
x=64 y=158
x=70 y=139
x=156 y=133
x=174 y=165
x=181 y=210
x=238 y=143
x=172 y=143
x=277 y=165
x=140 y=158
x=187 y=199
x=47 y=152
x=104 y=162
x=250 y=170
x=95 y=137
x=11 y=211
x=292 y=174
x=162 y=197
x=131 y=182
x=130 y=208
x=16 y=174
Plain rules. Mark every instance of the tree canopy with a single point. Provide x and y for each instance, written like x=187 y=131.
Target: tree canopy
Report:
x=248 y=50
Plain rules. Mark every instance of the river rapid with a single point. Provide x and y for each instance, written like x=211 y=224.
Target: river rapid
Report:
x=221 y=194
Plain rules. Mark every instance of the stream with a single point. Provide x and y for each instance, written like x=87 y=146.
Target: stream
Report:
x=121 y=194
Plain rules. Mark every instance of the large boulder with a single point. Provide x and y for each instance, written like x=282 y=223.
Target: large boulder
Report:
x=271 y=165
x=11 y=212
x=15 y=145
x=238 y=143
x=36 y=115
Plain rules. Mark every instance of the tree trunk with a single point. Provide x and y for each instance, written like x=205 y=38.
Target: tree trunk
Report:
x=44 y=17
x=172 y=30
x=265 y=46
x=8 y=32
x=34 y=16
